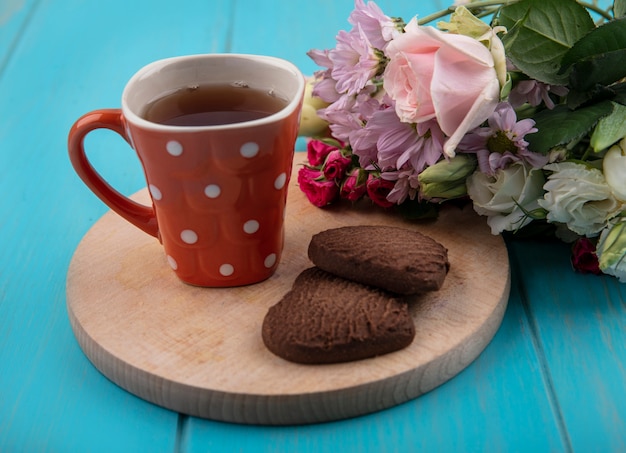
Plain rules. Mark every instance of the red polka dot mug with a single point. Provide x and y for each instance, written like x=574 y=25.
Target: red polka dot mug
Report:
x=218 y=190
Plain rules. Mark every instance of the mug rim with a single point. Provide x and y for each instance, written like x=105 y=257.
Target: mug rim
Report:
x=132 y=117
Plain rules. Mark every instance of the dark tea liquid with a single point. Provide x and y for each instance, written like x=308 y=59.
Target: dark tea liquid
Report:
x=213 y=105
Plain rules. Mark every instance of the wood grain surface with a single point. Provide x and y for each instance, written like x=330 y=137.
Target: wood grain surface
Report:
x=199 y=350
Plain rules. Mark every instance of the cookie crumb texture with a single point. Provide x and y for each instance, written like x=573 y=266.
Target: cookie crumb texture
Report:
x=395 y=259
x=327 y=319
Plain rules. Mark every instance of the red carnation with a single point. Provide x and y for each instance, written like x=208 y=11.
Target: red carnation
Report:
x=317 y=189
x=317 y=151
x=336 y=165
x=584 y=258
x=378 y=189
x=354 y=186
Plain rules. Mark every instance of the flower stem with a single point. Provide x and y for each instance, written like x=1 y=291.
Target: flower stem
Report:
x=487 y=12
x=477 y=5
x=481 y=4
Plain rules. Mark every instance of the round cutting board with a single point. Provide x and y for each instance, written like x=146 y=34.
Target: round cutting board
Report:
x=199 y=350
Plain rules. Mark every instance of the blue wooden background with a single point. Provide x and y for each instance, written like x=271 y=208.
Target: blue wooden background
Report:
x=552 y=380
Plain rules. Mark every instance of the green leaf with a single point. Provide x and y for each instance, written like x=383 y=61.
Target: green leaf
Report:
x=619 y=8
x=561 y=125
x=602 y=69
x=606 y=38
x=609 y=129
x=597 y=58
x=619 y=90
x=541 y=32
x=576 y=99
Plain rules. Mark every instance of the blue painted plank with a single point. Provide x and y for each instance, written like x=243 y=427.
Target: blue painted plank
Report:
x=560 y=349
x=580 y=322
x=72 y=57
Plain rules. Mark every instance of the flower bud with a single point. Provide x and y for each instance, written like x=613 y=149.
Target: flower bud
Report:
x=354 y=186
x=614 y=169
x=317 y=151
x=463 y=22
x=317 y=189
x=311 y=125
x=611 y=251
x=336 y=165
x=378 y=189
x=446 y=179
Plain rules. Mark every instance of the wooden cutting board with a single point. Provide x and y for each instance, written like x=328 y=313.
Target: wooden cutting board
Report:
x=199 y=350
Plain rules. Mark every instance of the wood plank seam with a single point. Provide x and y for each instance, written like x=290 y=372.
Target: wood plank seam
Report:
x=546 y=375
x=182 y=430
x=230 y=30
x=4 y=63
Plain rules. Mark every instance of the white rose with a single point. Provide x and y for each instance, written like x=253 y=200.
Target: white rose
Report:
x=507 y=197
x=614 y=168
x=579 y=197
x=611 y=251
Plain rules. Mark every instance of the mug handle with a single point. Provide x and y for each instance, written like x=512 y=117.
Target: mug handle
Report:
x=143 y=217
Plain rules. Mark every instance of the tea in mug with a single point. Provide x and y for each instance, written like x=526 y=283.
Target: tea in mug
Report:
x=213 y=105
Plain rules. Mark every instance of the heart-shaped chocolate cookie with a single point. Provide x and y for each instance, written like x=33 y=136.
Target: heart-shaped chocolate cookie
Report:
x=396 y=259
x=327 y=319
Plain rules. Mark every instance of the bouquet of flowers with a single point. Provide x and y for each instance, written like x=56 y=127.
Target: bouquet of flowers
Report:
x=518 y=107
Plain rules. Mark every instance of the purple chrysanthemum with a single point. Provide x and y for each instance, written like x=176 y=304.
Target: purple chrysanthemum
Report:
x=406 y=185
x=398 y=144
x=355 y=61
x=534 y=93
x=502 y=142
x=343 y=123
x=320 y=58
x=347 y=115
x=325 y=86
x=377 y=26
x=325 y=89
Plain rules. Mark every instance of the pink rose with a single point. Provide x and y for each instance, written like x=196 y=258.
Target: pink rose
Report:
x=336 y=165
x=450 y=77
x=317 y=189
x=378 y=189
x=317 y=151
x=354 y=186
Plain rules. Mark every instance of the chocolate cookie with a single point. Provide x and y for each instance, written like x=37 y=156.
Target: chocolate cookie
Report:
x=327 y=319
x=395 y=259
